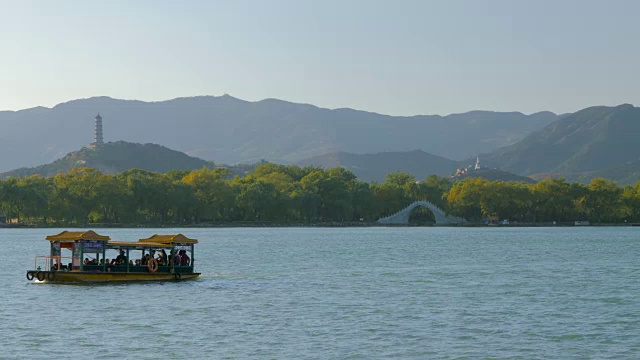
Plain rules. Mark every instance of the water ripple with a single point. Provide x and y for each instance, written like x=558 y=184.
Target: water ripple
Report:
x=343 y=293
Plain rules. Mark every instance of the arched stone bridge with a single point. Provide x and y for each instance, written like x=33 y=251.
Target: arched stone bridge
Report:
x=402 y=217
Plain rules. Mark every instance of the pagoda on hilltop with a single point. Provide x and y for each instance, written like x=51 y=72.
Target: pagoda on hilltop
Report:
x=97 y=133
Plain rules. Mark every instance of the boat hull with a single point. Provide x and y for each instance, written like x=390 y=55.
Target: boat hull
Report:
x=63 y=277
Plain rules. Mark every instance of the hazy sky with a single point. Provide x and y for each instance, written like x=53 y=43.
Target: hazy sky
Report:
x=394 y=57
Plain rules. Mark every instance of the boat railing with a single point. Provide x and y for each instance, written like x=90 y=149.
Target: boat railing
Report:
x=47 y=259
x=123 y=268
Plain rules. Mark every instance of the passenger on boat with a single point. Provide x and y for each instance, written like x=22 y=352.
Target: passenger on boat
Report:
x=184 y=258
x=137 y=262
x=162 y=258
x=86 y=261
x=177 y=259
x=121 y=259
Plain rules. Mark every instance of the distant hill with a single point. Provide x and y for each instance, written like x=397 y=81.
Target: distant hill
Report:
x=115 y=157
x=374 y=167
x=230 y=130
x=493 y=175
x=623 y=174
x=595 y=142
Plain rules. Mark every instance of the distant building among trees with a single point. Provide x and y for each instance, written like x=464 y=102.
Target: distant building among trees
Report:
x=465 y=171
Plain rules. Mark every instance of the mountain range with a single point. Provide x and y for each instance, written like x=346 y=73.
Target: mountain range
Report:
x=225 y=129
x=598 y=141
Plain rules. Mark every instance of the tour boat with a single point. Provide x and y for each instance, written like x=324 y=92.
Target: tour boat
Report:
x=158 y=258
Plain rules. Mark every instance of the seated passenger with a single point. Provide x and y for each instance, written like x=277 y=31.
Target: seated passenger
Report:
x=184 y=258
x=121 y=259
x=137 y=262
x=162 y=257
x=86 y=261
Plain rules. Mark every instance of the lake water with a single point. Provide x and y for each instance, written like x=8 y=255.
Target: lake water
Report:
x=348 y=293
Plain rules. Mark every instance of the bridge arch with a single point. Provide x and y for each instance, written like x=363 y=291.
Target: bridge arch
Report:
x=402 y=217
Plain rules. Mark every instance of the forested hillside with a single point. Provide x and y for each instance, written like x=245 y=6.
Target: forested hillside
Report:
x=595 y=142
x=115 y=157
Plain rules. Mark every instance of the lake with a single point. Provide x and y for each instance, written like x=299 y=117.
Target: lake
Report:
x=348 y=293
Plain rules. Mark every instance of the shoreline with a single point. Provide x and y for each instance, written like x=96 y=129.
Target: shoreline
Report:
x=301 y=225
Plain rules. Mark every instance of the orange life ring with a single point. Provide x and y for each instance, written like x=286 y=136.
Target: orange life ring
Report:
x=152 y=264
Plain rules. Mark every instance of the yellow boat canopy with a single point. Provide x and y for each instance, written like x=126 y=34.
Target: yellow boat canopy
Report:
x=168 y=239
x=77 y=235
x=154 y=241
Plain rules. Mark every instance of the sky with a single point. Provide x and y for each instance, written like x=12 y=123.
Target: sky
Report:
x=392 y=57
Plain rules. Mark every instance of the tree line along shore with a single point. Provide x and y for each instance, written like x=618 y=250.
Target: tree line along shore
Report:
x=292 y=195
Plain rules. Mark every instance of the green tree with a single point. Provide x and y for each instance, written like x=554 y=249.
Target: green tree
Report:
x=630 y=201
x=216 y=200
x=36 y=192
x=12 y=198
x=465 y=198
x=554 y=200
x=388 y=198
x=78 y=193
x=435 y=190
x=336 y=202
x=603 y=200
x=259 y=200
